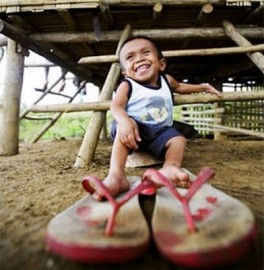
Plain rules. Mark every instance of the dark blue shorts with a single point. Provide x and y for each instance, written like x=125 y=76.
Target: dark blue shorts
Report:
x=153 y=138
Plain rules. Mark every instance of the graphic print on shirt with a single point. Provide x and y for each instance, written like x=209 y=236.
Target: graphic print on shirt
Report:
x=157 y=110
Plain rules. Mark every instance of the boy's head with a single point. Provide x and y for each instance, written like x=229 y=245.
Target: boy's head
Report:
x=141 y=55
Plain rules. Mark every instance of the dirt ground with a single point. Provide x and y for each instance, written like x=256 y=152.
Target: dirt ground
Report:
x=42 y=181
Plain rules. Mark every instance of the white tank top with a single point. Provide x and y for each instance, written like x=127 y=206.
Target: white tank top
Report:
x=150 y=105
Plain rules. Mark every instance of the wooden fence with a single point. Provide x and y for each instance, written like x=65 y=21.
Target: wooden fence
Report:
x=231 y=118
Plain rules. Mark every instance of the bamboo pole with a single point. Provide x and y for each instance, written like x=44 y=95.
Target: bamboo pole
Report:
x=9 y=109
x=214 y=33
x=128 y=3
x=257 y=58
x=178 y=100
x=94 y=128
x=238 y=130
x=178 y=53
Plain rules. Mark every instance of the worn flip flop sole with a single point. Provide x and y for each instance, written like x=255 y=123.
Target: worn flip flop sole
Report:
x=225 y=228
x=78 y=232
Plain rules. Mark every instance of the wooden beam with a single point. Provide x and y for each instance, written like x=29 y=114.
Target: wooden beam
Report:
x=32 y=65
x=129 y=3
x=26 y=42
x=178 y=100
x=213 y=33
x=93 y=131
x=67 y=17
x=237 y=130
x=73 y=26
x=257 y=58
x=41 y=5
x=205 y=10
x=256 y=12
x=178 y=53
x=107 y=14
x=21 y=23
x=157 y=8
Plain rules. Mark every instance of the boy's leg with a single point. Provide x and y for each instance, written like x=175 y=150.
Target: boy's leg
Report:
x=171 y=168
x=116 y=179
x=173 y=160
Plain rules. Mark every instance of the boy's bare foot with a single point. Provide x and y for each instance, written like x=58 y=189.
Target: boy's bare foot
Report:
x=115 y=182
x=174 y=174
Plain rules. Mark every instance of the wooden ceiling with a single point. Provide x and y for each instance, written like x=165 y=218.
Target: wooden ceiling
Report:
x=65 y=32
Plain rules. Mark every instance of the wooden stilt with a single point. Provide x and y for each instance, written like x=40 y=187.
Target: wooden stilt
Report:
x=92 y=134
x=9 y=109
x=257 y=58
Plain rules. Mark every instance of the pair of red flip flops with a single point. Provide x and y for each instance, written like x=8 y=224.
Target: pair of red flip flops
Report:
x=198 y=227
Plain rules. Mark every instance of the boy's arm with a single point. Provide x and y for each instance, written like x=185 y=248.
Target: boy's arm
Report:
x=119 y=101
x=127 y=127
x=186 y=88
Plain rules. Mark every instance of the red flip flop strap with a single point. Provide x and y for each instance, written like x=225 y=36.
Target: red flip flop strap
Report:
x=203 y=176
x=99 y=183
x=115 y=204
x=138 y=189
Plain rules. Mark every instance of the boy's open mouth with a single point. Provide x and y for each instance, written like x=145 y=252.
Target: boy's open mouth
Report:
x=142 y=68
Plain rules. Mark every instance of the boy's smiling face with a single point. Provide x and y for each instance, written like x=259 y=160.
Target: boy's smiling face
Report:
x=140 y=61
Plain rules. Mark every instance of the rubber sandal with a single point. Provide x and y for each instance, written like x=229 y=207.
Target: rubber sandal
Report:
x=203 y=227
x=88 y=232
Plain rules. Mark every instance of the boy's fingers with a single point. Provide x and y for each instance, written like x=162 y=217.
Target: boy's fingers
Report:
x=137 y=136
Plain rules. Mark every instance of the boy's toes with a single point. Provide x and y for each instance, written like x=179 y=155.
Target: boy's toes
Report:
x=183 y=184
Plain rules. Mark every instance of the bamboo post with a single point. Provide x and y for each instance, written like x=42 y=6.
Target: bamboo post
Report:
x=9 y=109
x=257 y=58
x=218 y=135
x=92 y=134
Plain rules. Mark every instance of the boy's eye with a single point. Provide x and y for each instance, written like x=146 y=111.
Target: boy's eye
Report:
x=129 y=57
x=146 y=52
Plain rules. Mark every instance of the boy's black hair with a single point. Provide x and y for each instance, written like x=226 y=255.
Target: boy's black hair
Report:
x=154 y=43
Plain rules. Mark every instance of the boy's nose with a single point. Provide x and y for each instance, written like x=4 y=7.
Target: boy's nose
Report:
x=139 y=58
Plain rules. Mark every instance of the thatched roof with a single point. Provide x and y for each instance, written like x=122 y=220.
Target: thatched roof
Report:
x=66 y=31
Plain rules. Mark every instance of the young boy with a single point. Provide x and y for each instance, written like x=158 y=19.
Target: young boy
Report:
x=143 y=112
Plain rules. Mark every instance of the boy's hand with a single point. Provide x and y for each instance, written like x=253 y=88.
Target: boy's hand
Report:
x=211 y=90
x=129 y=134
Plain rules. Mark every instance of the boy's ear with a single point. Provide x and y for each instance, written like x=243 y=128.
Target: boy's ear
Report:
x=163 y=64
x=124 y=73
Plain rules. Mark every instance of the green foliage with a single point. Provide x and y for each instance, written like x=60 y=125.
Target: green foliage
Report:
x=68 y=125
